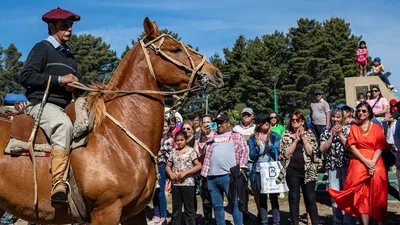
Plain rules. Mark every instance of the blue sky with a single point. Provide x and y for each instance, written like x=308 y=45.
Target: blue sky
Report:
x=209 y=24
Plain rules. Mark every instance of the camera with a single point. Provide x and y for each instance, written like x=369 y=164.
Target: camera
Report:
x=213 y=126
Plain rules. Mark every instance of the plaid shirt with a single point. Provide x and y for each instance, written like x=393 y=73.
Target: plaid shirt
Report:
x=241 y=152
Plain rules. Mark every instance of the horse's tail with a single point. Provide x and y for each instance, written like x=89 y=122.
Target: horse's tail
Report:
x=95 y=103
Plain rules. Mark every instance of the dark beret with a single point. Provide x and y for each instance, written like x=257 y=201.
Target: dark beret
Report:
x=59 y=14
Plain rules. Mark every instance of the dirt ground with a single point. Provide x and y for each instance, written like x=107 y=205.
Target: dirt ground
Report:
x=323 y=202
x=324 y=210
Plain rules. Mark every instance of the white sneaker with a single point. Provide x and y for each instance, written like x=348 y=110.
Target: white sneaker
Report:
x=154 y=221
x=394 y=90
x=163 y=221
x=390 y=86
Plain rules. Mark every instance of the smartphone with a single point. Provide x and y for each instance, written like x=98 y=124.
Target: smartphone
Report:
x=213 y=126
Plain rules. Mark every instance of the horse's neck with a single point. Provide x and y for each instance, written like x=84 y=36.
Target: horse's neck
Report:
x=137 y=112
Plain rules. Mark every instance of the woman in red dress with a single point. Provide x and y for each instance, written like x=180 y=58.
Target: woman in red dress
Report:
x=365 y=189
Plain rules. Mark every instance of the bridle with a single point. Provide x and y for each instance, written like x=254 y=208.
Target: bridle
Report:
x=194 y=70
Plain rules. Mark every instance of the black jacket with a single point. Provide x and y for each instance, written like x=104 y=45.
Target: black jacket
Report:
x=238 y=187
x=42 y=61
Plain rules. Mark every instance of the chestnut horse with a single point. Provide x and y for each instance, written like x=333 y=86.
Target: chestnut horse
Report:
x=115 y=175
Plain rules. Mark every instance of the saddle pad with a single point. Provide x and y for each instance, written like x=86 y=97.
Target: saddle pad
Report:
x=43 y=148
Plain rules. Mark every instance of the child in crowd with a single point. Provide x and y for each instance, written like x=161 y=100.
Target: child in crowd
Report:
x=360 y=98
x=362 y=57
x=181 y=167
x=378 y=70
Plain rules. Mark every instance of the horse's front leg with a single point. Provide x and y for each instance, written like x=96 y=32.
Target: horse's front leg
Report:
x=138 y=219
x=110 y=214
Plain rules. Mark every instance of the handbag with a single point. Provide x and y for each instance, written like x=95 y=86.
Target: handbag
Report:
x=269 y=172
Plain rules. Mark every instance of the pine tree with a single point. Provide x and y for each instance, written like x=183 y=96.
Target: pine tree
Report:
x=10 y=65
x=96 y=61
x=235 y=77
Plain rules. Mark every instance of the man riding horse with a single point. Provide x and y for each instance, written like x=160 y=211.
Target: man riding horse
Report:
x=52 y=59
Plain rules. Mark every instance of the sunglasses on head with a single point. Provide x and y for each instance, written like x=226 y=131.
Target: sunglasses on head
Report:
x=295 y=120
x=361 y=110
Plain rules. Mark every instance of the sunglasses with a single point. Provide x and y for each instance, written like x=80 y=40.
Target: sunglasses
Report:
x=374 y=90
x=220 y=122
x=246 y=115
x=186 y=128
x=362 y=110
x=318 y=94
x=296 y=120
x=272 y=117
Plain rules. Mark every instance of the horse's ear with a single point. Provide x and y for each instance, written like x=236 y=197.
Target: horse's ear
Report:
x=149 y=28
x=155 y=27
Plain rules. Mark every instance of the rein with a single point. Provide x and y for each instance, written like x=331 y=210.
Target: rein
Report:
x=195 y=70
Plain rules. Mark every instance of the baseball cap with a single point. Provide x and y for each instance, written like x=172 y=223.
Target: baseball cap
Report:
x=262 y=118
x=247 y=110
x=377 y=59
x=222 y=117
x=318 y=91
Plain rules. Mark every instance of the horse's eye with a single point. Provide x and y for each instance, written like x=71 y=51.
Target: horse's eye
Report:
x=176 y=50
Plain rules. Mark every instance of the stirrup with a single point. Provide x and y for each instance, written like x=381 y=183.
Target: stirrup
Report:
x=61 y=196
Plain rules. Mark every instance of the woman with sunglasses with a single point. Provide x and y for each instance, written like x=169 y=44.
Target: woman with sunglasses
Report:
x=365 y=189
x=333 y=144
x=380 y=106
x=264 y=147
x=188 y=128
x=275 y=126
x=300 y=149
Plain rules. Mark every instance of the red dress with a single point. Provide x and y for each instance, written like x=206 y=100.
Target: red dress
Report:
x=362 y=193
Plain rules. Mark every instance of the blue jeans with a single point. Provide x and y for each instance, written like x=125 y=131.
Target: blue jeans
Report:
x=384 y=78
x=159 y=200
x=217 y=185
x=336 y=182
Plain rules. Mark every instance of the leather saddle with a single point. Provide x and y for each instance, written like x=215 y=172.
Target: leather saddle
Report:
x=22 y=126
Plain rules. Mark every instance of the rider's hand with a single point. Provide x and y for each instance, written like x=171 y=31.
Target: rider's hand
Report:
x=69 y=78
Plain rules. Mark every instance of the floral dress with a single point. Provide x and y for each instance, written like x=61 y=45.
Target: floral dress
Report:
x=183 y=162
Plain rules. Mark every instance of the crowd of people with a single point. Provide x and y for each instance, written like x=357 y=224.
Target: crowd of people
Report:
x=211 y=157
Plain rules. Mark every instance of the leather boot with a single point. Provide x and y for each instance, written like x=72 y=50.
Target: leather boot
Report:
x=59 y=162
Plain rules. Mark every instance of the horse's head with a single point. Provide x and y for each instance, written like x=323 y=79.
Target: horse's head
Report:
x=173 y=63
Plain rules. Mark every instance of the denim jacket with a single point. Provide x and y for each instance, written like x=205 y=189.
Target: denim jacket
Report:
x=272 y=151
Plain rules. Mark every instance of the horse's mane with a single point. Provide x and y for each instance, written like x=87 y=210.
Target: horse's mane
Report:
x=95 y=102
